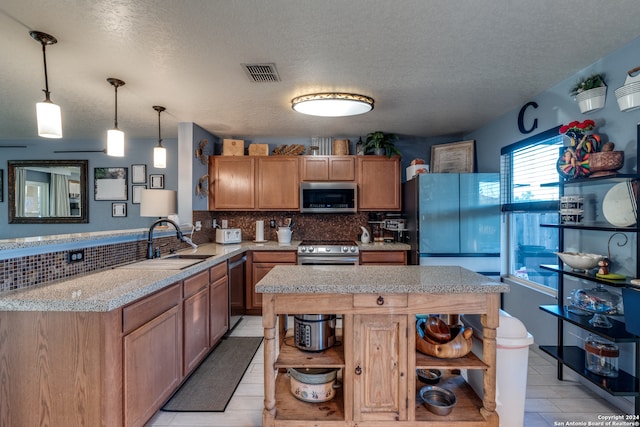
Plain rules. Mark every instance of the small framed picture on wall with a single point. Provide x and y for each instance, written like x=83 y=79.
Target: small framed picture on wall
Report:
x=138 y=174
x=156 y=181
x=118 y=209
x=136 y=191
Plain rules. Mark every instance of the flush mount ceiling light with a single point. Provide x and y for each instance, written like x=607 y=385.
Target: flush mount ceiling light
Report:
x=332 y=104
x=115 y=137
x=159 y=152
x=48 y=113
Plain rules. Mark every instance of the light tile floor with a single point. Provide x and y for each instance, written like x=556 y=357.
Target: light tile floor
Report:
x=549 y=402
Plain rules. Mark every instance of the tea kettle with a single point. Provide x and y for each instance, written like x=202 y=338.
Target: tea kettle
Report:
x=366 y=237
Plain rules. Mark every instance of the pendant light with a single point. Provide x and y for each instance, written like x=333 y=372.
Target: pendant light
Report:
x=159 y=152
x=48 y=113
x=333 y=104
x=115 y=137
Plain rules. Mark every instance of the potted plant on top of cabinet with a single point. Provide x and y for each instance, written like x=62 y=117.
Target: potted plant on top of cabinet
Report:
x=379 y=142
x=590 y=93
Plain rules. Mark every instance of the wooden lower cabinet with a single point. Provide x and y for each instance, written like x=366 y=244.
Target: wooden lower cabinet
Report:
x=383 y=257
x=260 y=263
x=196 y=323
x=219 y=301
x=380 y=380
x=152 y=366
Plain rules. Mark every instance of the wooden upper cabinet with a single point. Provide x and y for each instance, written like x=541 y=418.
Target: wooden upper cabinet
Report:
x=232 y=182
x=277 y=183
x=328 y=168
x=379 y=183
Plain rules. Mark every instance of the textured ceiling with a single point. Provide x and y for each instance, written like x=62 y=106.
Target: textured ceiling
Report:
x=433 y=67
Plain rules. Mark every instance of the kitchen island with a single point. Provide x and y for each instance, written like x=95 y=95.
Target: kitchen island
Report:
x=377 y=358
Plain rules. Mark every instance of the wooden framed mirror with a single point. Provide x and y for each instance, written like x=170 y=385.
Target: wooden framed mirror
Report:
x=48 y=191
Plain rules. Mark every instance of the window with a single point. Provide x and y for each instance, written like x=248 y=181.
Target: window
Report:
x=529 y=198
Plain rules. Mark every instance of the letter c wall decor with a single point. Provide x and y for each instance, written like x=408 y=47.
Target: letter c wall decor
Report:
x=521 y=127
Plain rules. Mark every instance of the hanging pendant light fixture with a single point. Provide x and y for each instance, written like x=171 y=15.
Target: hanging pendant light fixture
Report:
x=48 y=113
x=332 y=104
x=159 y=152
x=115 y=137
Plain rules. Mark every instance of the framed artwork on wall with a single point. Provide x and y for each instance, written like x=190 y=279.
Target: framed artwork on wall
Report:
x=455 y=157
x=138 y=174
x=118 y=209
x=136 y=191
x=110 y=183
x=156 y=181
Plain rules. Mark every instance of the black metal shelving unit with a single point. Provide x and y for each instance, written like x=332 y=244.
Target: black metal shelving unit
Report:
x=573 y=357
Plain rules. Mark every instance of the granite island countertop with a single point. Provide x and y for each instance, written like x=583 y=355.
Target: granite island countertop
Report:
x=400 y=279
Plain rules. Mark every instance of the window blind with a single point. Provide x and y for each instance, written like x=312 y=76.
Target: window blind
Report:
x=528 y=175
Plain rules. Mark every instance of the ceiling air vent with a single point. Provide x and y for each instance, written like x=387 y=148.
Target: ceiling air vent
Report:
x=261 y=73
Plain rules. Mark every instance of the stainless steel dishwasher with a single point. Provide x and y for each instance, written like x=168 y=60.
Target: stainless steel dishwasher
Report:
x=237 y=265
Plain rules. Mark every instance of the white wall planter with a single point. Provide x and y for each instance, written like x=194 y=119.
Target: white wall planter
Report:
x=592 y=99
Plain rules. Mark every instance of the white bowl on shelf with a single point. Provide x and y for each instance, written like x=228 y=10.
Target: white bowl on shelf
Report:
x=580 y=261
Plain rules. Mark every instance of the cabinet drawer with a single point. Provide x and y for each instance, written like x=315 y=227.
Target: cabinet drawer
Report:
x=276 y=256
x=383 y=257
x=140 y=312
x=196 y=282
x=380 y=300
x=218 y=271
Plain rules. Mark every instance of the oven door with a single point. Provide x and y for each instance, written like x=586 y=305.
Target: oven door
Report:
x=328 y=259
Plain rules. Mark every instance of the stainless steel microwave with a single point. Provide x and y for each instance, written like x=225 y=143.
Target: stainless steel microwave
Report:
x=329 y=197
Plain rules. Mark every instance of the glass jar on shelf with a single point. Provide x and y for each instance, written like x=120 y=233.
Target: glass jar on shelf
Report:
x=601 y=356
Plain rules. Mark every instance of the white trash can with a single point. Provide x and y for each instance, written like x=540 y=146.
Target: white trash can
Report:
x=512 y=359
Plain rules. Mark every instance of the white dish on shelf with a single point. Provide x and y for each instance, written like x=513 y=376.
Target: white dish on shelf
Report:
x=619 y=205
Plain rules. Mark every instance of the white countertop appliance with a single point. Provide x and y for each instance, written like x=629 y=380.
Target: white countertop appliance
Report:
x=228 y=235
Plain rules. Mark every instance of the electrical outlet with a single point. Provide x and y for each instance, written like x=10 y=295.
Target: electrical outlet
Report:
x=198 y=226
x=272 y=223
x=75 y=256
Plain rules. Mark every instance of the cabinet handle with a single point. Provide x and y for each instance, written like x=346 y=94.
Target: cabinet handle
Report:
x=358 y=370
x=380 y=300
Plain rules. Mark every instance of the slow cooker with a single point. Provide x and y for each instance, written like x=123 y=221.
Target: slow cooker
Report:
x=314 y=332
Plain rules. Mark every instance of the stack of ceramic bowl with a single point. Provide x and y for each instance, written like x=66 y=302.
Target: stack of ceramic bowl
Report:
x=628 y=96
x=571 y=209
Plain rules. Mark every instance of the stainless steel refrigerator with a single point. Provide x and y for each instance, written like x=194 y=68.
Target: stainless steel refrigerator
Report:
x=453 y=219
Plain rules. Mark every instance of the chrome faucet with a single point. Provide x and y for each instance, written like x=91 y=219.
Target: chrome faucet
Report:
x=179 y=235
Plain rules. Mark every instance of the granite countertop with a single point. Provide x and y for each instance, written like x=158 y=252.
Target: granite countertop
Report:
x=284 y=279
x=113 y=288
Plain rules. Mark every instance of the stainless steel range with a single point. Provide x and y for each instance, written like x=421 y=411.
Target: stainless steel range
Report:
x=328 y=252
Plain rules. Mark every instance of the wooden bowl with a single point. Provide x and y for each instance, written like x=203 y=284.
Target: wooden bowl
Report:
x=436 y=329
x=457 y=347
x=605 y=163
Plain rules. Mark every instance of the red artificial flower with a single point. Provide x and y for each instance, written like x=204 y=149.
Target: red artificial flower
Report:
x=564 y=129
x=573 y=124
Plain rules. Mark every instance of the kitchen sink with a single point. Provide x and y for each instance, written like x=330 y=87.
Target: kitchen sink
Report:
x=187 y=256
x=163 y=263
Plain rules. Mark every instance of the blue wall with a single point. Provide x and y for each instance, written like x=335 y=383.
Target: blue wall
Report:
x=556 y=107
x=100 y=219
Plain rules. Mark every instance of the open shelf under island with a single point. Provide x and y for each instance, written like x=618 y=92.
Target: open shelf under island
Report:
x=377 y=359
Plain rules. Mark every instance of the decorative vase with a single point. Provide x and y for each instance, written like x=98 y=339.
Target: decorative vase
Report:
x=592 y=99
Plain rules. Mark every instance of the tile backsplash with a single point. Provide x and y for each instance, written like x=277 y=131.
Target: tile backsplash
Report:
x=46 y=268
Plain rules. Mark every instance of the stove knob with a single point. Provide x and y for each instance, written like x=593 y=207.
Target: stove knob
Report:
x=353 y=249
x=345 y=249
x=310 y=249
x=303 y=249
x=328 y=249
